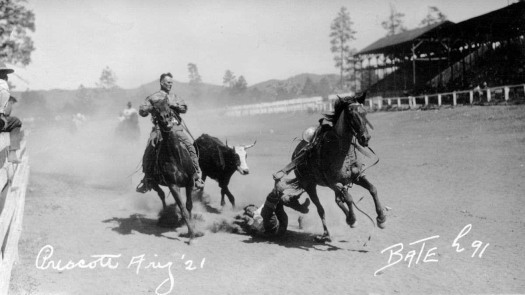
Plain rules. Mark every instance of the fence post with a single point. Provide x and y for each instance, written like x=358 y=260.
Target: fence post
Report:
x=506 y=90
x=454 y=98
x=389 y=101
x=439 y=99
x=488 y=95
x=399 y=102
x=471 y=96
x=426 y=100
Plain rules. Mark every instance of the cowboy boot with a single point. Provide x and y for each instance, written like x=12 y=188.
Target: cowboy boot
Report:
x=197 y=177
x=143 y=186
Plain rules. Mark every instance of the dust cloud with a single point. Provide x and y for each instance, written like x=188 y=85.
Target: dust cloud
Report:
x=93 y=157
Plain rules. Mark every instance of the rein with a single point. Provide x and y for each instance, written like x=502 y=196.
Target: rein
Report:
x=364 y=152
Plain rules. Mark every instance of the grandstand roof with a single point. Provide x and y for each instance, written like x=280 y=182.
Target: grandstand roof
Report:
x=501 y=24
x=402 y=41
x=497 y=25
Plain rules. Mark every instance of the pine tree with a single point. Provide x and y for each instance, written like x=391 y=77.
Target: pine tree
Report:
x=394 y=24
x=341 y=34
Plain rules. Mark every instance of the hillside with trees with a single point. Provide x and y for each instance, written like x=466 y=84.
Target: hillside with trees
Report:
x=106 y=98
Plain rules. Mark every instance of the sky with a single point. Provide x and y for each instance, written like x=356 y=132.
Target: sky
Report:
x=258 y=39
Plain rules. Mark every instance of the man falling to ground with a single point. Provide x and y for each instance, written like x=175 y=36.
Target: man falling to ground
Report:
x=270 y=219
x=177 y=106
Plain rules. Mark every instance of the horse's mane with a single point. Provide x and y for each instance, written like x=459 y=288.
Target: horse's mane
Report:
x=341 y=103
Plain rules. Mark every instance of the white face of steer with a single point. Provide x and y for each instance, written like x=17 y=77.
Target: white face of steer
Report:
x=241 y=152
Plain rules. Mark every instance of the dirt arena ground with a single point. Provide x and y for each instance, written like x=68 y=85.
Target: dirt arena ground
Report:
x=453 y=179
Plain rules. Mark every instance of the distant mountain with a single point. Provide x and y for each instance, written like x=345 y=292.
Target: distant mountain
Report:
x=111 y=101
x=298 y=80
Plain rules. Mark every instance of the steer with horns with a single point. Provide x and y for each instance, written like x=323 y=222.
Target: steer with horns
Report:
x=219 y=161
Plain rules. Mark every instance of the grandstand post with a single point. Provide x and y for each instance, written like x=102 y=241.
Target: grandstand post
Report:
x=471 y=96
x=389 y=101
x=399 y=101
x=426 y=100
x=439 y=99
x=454 y=98
x=488 y=95
x=506 y=90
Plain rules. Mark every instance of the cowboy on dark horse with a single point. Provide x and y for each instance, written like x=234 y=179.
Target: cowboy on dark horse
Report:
x=168 y=121
x=327 y=156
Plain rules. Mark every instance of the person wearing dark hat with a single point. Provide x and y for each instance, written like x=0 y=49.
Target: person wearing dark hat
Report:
x=9 y=123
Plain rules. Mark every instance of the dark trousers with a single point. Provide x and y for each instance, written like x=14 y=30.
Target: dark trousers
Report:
x=148 y=160
x=13 y=126
x=186 y=141
x=275 y=220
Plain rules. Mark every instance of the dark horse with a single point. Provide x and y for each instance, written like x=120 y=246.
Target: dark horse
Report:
x=168 y=163
x=332 y=161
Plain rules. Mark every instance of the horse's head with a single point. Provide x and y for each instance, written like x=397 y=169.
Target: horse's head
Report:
x=349 y=114
x=356 y=118
x=162 y=113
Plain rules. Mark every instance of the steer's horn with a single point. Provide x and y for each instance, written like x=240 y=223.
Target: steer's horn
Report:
x=251 y=145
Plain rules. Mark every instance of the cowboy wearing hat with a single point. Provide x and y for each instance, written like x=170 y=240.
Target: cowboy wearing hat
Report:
x=9 y=123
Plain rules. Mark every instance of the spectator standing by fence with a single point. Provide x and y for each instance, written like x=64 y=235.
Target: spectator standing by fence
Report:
x=9 y=123
x=478 y=95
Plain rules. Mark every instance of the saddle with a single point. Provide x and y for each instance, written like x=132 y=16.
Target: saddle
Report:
x=307 y=151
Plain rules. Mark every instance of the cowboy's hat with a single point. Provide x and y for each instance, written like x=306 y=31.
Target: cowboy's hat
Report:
x=4 y=68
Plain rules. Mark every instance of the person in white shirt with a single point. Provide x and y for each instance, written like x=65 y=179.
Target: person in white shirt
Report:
x=9 y=123
x=129 y=114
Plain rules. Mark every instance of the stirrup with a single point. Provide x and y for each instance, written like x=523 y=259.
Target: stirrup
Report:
x=198 y=183
x=142 y=187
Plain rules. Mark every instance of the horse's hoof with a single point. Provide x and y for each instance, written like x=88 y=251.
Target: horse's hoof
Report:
x=322 y=239
x=351 y=222
x=381 y=222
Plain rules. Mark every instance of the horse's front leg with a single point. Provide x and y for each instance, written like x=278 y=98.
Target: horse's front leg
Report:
x=183 y=209
x=342 y=198
x=161 y=194
x=189 y=200
x=381 y=217
x=312 y=193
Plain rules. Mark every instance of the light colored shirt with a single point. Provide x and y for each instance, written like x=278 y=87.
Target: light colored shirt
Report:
x=256 y=223
x=178 y=104
x=5 y=94
x=127 y=114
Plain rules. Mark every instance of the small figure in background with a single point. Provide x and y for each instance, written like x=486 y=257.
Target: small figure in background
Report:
x=128 y=127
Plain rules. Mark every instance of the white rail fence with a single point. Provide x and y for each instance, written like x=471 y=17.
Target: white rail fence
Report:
x=13 y=181
x=465 y=97
x=318 y=104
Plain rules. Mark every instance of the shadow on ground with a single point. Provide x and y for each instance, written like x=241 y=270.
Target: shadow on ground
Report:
x=139 y=223
x=299 y=240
